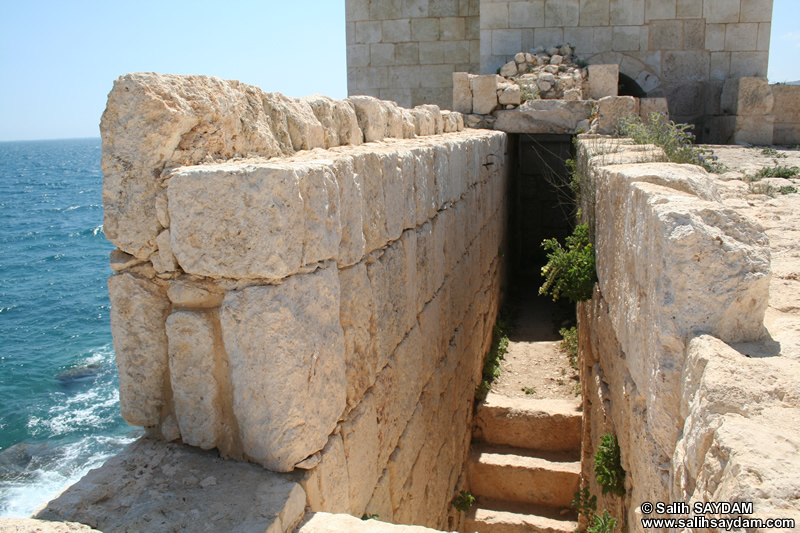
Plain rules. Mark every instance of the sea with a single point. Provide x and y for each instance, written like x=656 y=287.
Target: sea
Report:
x=59 y=399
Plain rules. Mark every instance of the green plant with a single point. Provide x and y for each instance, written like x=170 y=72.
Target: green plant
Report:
x=772 y=152
x=528 y=91
x=496 y=353
x=676 y=140
x=528 y=390
x=776 y=172
x=570 y=271
x=570 y=344
x=788 y=189
x=583 y=503
x=366 y=516
x=604 y=523
x=763 y=188
x=463 y=501
x=607 y=467
x=576 y=388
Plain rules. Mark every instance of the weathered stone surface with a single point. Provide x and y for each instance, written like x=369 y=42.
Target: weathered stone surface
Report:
x=163 y=260
x=338 y=119
x=194 y=294
x=237 y=221
x=747 y=96
x=335 y=523
x=357 y=317
x=139 y=312
x=193 y=369
x=462 y=92
x=119 y=261
x=653 y=105
x=158 y=486
x=360 y=436
x=323 y=228
x=509 y=69
x=544 y=116
x=287 y=340
x=740 y=439
x=603 y=81
x=707 y=270
x=426 y=118
x=30 y=525
x=612 y=109
x=511 y=95
x=372 y=117
x=187 y=119
x=327 y=486
x=484 y=94
x=352 y=246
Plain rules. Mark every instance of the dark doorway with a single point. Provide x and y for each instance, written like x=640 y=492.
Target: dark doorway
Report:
x=543 y=201
x=628 y=87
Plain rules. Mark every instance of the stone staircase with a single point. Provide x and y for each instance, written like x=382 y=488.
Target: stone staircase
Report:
x=524 y=465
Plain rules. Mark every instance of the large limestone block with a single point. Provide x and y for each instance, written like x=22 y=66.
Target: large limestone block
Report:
x=237 y=221
x=319 y=190
x=747 y=96
x=426 y=119
x=392 y=182
x=154 y=122
x=372 y=117
x=327 y=485
x=424 y=184
x=671 y=264
x=406 y=162
x=193 y=372
x=358 y=324
x=612 y=109
x=360 y=436
x=786 y=103
x=369 y=175
x=393 y=282
x=286 y=351
x=754 y=129
x=353 y=245
x=544 y=116
x=653 y=105
x=462 y=92
x=338 y=119
x=740 y=440
x=158 y=486
x=603 y=81
x=484 y=94
x=139 y=310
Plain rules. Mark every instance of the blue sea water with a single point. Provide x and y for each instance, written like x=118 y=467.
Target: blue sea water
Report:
x=59 y=403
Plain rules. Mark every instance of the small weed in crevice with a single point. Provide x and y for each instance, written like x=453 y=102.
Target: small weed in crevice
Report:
x=366 y=516
x=496 y=353
x=788 y=189
x=583 y=502
x=772 y=152
x=529 y=390
x=604 y=523
x=777 y=171
x=463 y=501
x=570 y=345
x=607 y=466
x=677 y=140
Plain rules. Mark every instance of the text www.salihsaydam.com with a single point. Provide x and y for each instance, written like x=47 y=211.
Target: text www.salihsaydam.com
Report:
x=720 y=523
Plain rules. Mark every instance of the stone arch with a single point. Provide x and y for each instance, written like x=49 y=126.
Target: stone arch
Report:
x=635 y=69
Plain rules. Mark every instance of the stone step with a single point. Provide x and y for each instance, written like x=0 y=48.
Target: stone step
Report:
x=550 y=425
x=489 y=516
x=510 y=474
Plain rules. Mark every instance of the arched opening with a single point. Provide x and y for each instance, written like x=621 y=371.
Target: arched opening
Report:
x=628 y=87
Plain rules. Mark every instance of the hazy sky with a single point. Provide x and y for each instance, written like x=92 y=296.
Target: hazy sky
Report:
x=58 y=59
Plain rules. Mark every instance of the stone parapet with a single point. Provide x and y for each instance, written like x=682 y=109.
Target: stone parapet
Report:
x=312 y=308
x=673 y=263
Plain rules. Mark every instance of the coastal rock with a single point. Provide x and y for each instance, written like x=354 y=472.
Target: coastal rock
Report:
x=286 y=339
x=158 y=486
x=139 y=310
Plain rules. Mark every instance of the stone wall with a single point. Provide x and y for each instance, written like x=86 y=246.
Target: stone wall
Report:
x=682 y=49
x=680 y=275
x=786 y=110
x=295 y=297
x=407 y=50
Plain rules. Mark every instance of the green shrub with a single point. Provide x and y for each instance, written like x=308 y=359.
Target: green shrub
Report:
x=776 y=172
x=463 y=501
x=602 y=523
x=570 y=271
x=607 y=467
x=676 y=140
x=583 y=503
